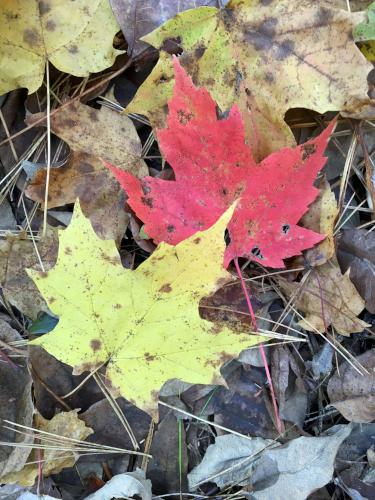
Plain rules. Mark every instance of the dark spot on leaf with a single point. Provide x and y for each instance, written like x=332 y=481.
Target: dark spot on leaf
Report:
x=308 y=150
x=323 y=17
x=261 y=37
x=117 y=306
x=30 y=36
x=285 y=228
x=51 y=300
x=224 y=191
x=284 y=50
x=166 y=288
x=95 y=344
x=146 y=188
x=147 y=201
x=68 y=251
x=44 y=7
x=73 y=49
x=171 y=228
x=196 y=241
x=269 y=77
x=257 y=253
x=199 y=51
x=50 y=25
x=149 y=357
x=172 y=45
x=184 y=117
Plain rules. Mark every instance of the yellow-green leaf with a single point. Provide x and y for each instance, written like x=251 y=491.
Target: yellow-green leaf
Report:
x=146 y=322
x=268 y=56
x=75 y=36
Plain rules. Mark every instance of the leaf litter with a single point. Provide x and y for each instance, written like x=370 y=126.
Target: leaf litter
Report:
x=234 y=119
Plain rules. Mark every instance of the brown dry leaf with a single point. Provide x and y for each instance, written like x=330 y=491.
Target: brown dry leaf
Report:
x=66 y=424
x=353 y=394
x=93 y=136
x=321 y=218
x=18 y=253
x=356 y=251
x=330 y=293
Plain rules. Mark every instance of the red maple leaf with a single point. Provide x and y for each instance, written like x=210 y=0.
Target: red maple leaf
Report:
x=213 y=166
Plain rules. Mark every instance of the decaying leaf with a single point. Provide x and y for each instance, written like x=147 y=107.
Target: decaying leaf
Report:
x=353 y=394
x=17 y=253
x=92 y=135
x=327 y=297
x=293 y=470
x=356 y=251
x=321 y=218
x=76 y=39
x=168 y=471
x=268 y=56
x=127 y=485
x=213 y=166
x=139 y=17
x=65 y=424
x=146 y=322
x=16 y=404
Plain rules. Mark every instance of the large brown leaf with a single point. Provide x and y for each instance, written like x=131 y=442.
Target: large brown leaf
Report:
x=327 y=297
x=93 y=136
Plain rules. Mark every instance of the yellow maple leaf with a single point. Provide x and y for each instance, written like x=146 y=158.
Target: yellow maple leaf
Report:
x=76 y=37
x=267 y=56
x=146 y=322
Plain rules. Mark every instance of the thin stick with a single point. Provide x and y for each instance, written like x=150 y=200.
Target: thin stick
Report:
x=261 y=348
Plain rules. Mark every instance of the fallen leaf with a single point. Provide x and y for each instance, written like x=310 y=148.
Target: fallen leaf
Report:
x=108 y=428
x=17 y=253
x=327 y=297
x=213 y=166
x=161 y=296
x=266 y=56
x=356 y=252
x=139 y=17
x=269 y=470
x=49 y=373
x=353 y=394
x=243 y=406
x=66 y=424
x=365 y=34
x=321 y=218
x=92 y=135
x=127 y=485
x=167 y=468
x=16 y=404
x=77 y=40
x=291 y=392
